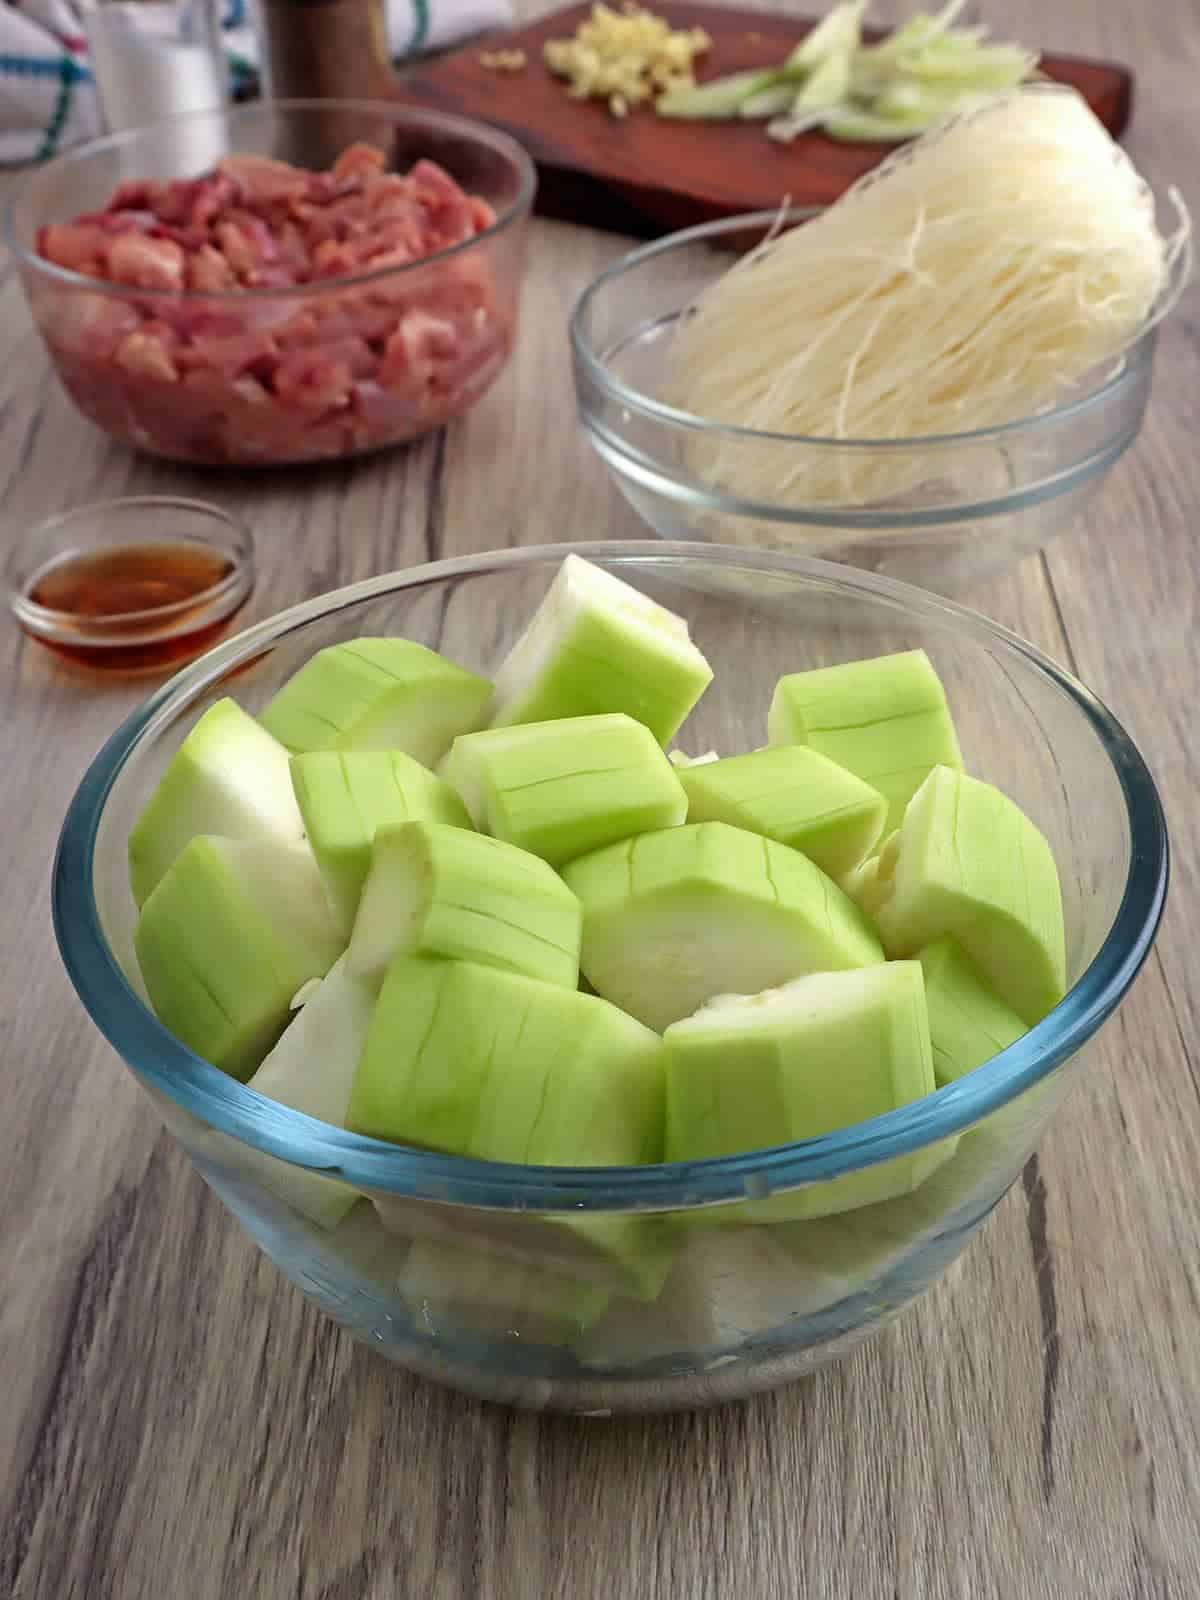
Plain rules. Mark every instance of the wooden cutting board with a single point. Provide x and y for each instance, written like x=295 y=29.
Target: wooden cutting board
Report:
x=647 y=175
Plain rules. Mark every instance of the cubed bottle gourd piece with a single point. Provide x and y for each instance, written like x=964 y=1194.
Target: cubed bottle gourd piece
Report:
x=378 y=694
x=795 y=795
x=488 y=1064
x=885 y=719
x=624 y=1256
x=346 y=796
x=968 y=1023
x=748 y=1072
x=863 y=882
x=311 y=1069
x=967 y=861
x=229 y=935
x=228 y=777
x=434 y=889
x=449 y=1287
x=596 y=644
x=560 y=789
x=728 y=1285
x=672 y=918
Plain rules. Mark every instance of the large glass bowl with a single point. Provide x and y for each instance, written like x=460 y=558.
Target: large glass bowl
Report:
x=943 y=512
x=316 y=372
x=457 y=1269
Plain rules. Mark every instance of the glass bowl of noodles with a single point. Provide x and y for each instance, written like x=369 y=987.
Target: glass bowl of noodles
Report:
x=930 y=378
x=940 y=510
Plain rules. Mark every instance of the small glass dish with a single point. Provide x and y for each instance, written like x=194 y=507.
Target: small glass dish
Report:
x=136 y=585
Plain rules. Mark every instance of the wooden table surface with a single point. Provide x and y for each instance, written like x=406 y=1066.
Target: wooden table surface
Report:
x=177 y=1424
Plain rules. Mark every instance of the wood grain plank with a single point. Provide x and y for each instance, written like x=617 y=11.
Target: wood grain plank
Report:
x=85 y=1131
x=517 y=471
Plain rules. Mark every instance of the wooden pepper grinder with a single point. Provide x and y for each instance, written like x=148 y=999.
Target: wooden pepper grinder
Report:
x=325 y=50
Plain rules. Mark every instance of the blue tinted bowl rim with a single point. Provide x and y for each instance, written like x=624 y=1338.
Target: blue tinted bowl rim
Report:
x=1125 y=367
x=168 y=1067
x=446 y=122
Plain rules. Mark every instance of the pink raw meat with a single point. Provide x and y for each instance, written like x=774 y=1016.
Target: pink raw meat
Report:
x=189 y=364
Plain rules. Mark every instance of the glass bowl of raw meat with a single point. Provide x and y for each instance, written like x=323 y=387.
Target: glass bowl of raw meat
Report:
x=470 y=1167
x=287 y=282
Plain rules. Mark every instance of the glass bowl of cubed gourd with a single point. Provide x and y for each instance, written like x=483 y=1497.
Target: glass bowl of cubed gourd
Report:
x=612 y=977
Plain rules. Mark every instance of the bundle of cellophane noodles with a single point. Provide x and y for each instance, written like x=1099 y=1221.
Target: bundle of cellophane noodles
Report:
x=971 y=280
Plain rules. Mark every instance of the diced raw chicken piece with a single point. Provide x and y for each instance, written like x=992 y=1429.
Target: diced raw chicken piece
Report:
x=233 y=355
x=208 y=270
x=210 y=197
x=264 y=180
x=313 y=380
x=334 y=259
x=89 y=327
x=147 y=354
x=482 y=215
x=145 y=263
x=79 y=246
x=358 y=161
x=353 y=352
x=251 y=391
x=293 y=251
x=415 y=348
x=248 y=246
x=196 y=320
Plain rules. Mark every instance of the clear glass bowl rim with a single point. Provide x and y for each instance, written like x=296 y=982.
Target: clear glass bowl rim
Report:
x=230 y=1107
x=239 y=580
x=442 y=121
x=1126 y=366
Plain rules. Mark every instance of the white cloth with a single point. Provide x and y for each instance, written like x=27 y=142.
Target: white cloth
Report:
x=48 y=99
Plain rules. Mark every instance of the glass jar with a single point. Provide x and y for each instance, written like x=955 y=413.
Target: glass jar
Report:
x=155 y=58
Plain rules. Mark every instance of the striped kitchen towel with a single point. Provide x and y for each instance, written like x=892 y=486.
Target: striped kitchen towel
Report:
x=48 y=99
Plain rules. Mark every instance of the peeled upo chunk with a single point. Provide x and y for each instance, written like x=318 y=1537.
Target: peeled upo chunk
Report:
x=792 y=794
x=378 y=694
x=671 y=919
x=748 y=1072
x=434 y=889
x=346 y=796
x=885 y=719
x=231 y=932
x=597 y=644
x=228 y=777
x=968 y=862
x=563 y=788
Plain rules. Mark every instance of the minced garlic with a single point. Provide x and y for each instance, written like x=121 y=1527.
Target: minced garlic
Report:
x=625 y=57
x=502 y=60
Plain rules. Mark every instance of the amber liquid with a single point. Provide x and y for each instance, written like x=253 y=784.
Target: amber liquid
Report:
x=107 y=600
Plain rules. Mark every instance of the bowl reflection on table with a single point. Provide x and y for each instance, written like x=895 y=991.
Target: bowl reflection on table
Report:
x=957 y=509
x=744 y=1305
x=318 y=371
